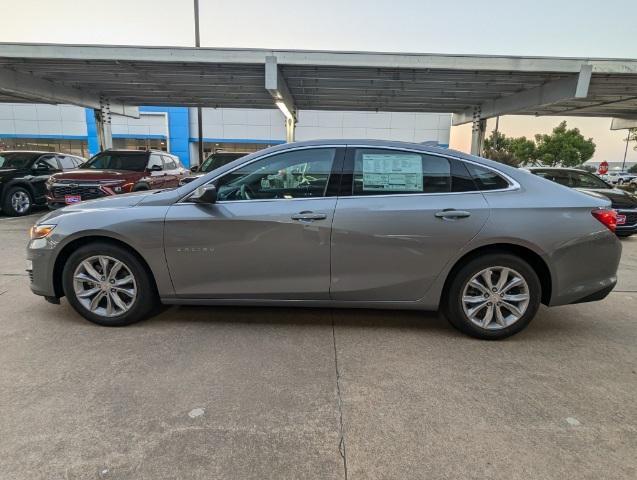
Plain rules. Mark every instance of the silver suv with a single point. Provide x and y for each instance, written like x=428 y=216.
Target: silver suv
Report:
x=336 y=224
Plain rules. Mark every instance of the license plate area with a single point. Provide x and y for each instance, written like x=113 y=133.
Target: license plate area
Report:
x=621 y=219
x=71 y=199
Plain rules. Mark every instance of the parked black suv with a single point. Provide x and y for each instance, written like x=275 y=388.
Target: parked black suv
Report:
x=23 y=175
x=625 y=203
x=213 y=161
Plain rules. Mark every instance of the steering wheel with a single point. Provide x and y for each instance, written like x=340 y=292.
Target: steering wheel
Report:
x=245 y=192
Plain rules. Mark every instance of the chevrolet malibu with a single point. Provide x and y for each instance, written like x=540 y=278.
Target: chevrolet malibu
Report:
x=366 y=224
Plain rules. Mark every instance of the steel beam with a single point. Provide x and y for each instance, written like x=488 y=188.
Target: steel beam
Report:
x=552 y=92
x=38 y=89
x=623 y=123
x=316 y=58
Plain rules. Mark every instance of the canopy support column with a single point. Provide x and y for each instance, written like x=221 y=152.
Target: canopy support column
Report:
x=478 y=129
x=103 y=123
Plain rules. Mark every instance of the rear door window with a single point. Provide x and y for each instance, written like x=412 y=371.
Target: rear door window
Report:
x=388 y=172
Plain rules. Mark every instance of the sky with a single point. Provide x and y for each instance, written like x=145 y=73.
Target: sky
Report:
x=584 y=28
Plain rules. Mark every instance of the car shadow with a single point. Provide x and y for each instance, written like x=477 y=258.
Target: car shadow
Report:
x=340 y=317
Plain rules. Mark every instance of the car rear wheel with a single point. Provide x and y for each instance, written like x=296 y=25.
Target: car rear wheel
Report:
x=17 y=202
x=493 y=296
x=108 y=285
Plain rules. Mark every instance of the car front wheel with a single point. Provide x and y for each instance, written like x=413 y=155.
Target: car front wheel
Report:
x=17 y=202
x=493 y=296
x=108 y=285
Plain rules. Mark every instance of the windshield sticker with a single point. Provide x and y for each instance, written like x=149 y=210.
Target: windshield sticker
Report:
x=396 y=173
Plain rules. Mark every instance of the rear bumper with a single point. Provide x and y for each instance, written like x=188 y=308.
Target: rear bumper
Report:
x=631 y=222
x=585 y=270
x=599 y=295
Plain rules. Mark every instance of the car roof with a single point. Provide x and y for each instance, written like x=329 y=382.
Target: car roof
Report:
x=30 y=151
x=557 y=169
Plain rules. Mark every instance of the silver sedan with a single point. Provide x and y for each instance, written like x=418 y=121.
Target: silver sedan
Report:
x=368 y=224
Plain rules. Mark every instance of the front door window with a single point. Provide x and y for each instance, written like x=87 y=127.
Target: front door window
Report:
x=297 y=174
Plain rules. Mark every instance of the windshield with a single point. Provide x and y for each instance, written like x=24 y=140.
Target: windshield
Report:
x=215 y=161
x=17 y=159
x=132 y=161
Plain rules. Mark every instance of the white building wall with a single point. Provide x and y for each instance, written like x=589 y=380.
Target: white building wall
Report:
x=148 y=123
x=406 y=127
x=239 y=124
x=268 y=125
x=42 y=120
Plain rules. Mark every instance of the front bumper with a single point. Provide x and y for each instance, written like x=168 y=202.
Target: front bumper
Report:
x=40 y=265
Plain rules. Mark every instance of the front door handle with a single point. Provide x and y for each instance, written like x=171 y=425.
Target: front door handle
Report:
x=452 y=213
x=307 y=216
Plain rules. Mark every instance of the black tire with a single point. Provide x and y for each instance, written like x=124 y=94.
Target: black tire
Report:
x=146 y=301
x=452 y=301
x=140 y=188
x=7 y=204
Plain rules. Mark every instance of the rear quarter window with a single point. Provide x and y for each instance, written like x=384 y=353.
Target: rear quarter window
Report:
x=486 y=179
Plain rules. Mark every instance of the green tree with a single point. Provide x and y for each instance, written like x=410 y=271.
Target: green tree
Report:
x=565 y=147
x=512 y=151
x=633 y=169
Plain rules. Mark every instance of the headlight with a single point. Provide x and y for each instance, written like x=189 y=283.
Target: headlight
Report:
x=40 y=231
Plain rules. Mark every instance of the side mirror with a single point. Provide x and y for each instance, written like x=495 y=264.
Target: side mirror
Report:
x=205 y=194
x=156 y=168
x=194 y=168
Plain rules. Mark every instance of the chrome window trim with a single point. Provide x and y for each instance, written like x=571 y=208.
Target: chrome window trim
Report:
x=513 y=184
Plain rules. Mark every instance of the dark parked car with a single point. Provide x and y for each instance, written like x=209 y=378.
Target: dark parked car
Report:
x=115 y=171
x=625 y=203
x=23 y=175
x=211 y=163
x=332 y=223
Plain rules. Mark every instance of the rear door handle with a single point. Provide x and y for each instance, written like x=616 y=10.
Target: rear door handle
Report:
x=452 y=213
x=307 y=216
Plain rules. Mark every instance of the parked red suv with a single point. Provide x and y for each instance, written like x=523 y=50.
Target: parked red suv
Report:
x=115 y=171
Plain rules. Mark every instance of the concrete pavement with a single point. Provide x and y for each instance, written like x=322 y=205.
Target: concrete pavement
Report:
x=285 y=393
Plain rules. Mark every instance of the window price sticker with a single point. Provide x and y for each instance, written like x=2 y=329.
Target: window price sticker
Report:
x=396 y=173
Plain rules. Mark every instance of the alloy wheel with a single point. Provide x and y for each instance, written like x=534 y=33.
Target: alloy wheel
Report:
x=495 y=298
x=20 y=201
x=105 y=286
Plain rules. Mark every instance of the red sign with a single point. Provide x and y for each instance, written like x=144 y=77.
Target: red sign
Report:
x=603 y=168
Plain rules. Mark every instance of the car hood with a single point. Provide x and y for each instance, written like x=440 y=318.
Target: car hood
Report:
x=97 y=175
x=619 y=198
x=125 y=200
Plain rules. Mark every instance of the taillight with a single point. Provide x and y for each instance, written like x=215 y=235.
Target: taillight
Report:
x=607 y=216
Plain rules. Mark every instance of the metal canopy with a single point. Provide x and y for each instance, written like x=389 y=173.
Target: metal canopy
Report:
x=472 y=87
